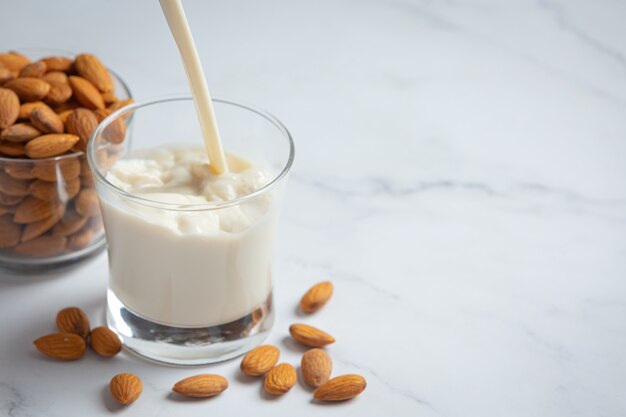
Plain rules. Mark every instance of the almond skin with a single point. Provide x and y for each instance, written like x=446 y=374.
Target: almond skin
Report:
x=316 y=297
x=9 y=107
x=42 y=246
x=35 y=69
x=14 y=61
x=32 y=209
x=125 y=388
x=62 y=346
x=80 y=239
x=310 y=336
x=86 y=203
x=19 y=133
x=10 y=232
x=6 y=75
x=280 y=379
x=55 y=77
x=55 y=191
x=316 y=367
x=90 y=68
x=27 y=108
x=12 y=186
x=59 y=93
x=12 y=149
x=20 y=172
x=58 y=63
x=85 y=92
x=50 y=145
x=105 y=342
x=201 y=386
x=341 y=388
x=46 y=120
x=82 y=122
x=38 y=228
x=71 y=223
x=260 y=360
x=73 y=320
x=28 y=88
x=9 y=200
x=68 y=168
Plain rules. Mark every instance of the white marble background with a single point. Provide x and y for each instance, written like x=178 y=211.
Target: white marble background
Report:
x=460 y=176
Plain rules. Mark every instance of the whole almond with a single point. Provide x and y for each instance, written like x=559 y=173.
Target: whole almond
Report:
x=38 y=228
x=13 y=186
x=119 y=104
x=82 y=122
x=63 y=346
x=125 y=388
x=66 y=168
x=90 y=68
x=105 y=342
x=260 y=360
x=201 y=386
x=73 y=320
x=341 y=388
x=71 y=223
x=58 y=63
x=46 y=120
x=109 y=98
x=63 y=190
x=6 y=75
x=27 y=108
x=280 y=379
x=19 y=171
x=19 y=133
x=32 y=209
x=9 y=107
x=84 y=92
x=316 y=297
x=9 y=200
x=55 y=77
x=310 y=336
x=14 y=61
x=42 y=246
x=86 y=202
x=35 y=69
x=12 y=149
x=80 y=239
x=115 y=132
x=10 y=232
x=316 y=367
x=50 y=145
x=59 y=93
x=28 y=88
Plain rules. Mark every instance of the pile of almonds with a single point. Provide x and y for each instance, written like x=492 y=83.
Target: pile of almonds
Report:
x=316 y=365
x=50 y=108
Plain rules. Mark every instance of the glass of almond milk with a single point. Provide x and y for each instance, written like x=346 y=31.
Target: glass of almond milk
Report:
x=190 y=252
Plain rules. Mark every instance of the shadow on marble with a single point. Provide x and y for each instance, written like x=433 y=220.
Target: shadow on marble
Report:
x=172 y=396
x=301 y=382
x=110 y=403
x=289 y=343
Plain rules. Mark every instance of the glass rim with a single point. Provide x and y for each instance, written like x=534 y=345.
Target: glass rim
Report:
x=209 y=205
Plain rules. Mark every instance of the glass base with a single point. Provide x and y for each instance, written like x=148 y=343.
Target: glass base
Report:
x=185 y=345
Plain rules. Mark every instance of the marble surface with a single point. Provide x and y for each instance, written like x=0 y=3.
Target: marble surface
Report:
x=460 y=176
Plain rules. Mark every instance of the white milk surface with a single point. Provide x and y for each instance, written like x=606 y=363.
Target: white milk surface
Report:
x=189 y=268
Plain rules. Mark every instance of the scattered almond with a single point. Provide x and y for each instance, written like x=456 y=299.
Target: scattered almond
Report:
x=341 y=388
x=310 y=336
x=280 y=379
x=316 y=297
x=316 y=367
x=201 y=386
x=105 y=342
x=73 y=320
x=63 y=346
x=260 y=360
x=125 y=388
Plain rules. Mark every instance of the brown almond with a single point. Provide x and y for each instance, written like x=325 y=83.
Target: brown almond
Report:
x=12 y=149
x=201 y=386
x=71 y=223
x=38 y=228
x=66 y=168
x=119 y=104
x=13 y=186
x=32 y=209
x=260 y=360
x=280 y=379
x=27 y=108
x=58 y=63
x=63 y=190
x=102 y=114
x=341 y=388
x=10 y=232
x=87 y=181
x=14 y=61
x=70 y=104
x=115 y=132
x=43 y=246
x=65 y=115
x=90 y=68
x=80 y=239
x=82 y=122
x=46 y=120
x=6 y=75
x=125 y=388
x=28 y=88
x=316 y=297
x=9 y=200
x=73 y=320
x=50 y=145
x=109 y=98
x=63 y=346
x=86 y=203
x=316 y=367
x=85 y=92
x=310 y=336
x=19 y=133
x=19 y=171
x=55 y=77
x=105 y=342
x=9 y=107
x=34 y=69
x=59 y=93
